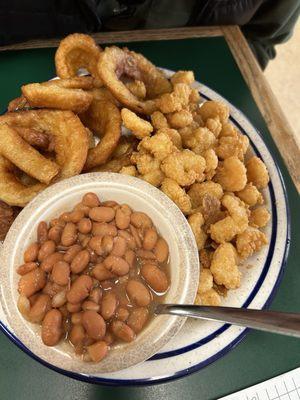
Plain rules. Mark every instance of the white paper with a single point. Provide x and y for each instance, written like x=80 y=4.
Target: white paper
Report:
x=282 y=387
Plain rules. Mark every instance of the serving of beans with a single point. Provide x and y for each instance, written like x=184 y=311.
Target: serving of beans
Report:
x=93 y=276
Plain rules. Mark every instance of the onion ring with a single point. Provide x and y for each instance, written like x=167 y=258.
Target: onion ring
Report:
x=102 y=117
x=61 y=94
x=25 y=157
x=115 y=62
x=19 y=103
x=12 y=191
x=77 y=51
x=71 y=146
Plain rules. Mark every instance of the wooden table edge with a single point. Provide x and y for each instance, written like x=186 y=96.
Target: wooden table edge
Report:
x=266 y=101
x=279 y=127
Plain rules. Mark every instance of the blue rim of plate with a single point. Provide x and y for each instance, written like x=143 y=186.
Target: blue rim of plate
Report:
x=226 y=349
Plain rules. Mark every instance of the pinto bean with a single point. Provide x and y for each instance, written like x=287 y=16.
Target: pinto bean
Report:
x=95 y=243
x=47 y=248
x=55 y=233
x=80 y=261
x=108 y=305
x=146 y=254
x=138 y=293
x=135 y=235
x=96 y=295
x=48 y=262
x=122 y=313
x=77 y=334
x=90 y=305
x=102 y=229
x=138 y=318
x=101 y=273
x=80 y=289
x=102 y=214
x=119 y=246
x=150 y=239
x=32 y=282
x=59 y=299
x=161 y=250
x=140 y=220
x=155 y=277
x=129 y=239
x=52 y=288
x=39 y=309
x=84 y=225
x=69 y=234
x=72 y=252
x=90 y=200
x=52 y=327
x=107 y=244
x=81 y=207
x=73 y=308
x=42 y=232
x=61 y=273
x=94 y=324
x=116 y=265
x=122 y=331
x=31 y=253
x=130 y=257
x=76 y=318
x=97 y=351
x=123 y=214
x=76 y=216
x=25 y=268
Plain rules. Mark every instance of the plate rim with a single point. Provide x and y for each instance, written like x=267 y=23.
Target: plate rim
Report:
x=186 y=371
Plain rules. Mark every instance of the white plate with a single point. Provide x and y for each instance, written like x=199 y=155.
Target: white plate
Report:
x=200 y=343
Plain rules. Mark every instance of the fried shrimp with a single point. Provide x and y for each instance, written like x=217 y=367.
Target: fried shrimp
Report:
x=250 y=241
x=200 y=140
x=177 y=194
x=224 y=266
x=236 y=222
x=160 y=145
x=231 y=174
x=184 y=167
x=138 y=126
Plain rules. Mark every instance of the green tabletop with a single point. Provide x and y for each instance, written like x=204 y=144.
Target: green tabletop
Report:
x=260 y=355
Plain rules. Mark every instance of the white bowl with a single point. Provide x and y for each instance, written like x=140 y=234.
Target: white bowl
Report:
x=173 y=226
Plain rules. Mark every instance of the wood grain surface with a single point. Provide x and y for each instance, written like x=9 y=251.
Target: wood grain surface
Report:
x=127 y=36
x=278 y=125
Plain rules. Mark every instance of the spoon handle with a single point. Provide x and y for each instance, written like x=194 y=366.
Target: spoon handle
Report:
x=264 y=320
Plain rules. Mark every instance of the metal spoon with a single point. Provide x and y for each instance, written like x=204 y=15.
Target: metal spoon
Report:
x=263 y=320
